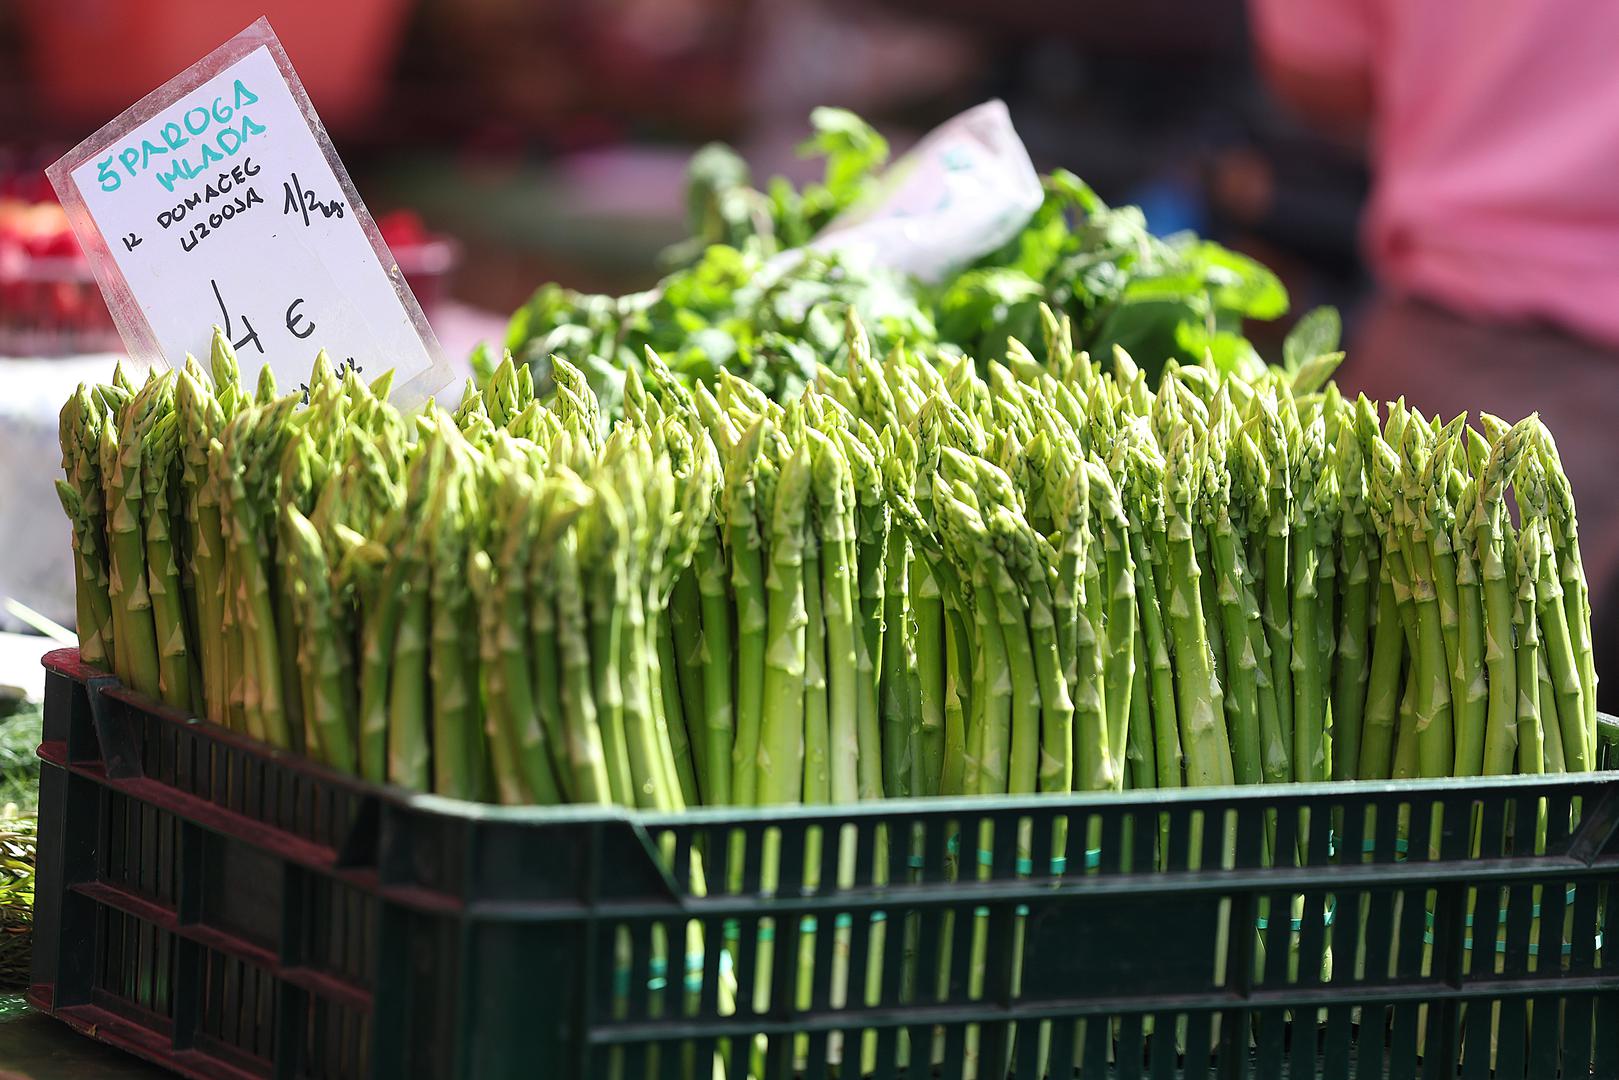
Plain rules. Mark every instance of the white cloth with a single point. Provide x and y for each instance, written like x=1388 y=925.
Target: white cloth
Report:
x=36 y=554
x=20 y=668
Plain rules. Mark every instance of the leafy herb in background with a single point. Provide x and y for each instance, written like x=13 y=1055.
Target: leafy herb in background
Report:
x=19 y=802
x=17 y=846
x=729 y=307
x=722 y=206
x=19 y=767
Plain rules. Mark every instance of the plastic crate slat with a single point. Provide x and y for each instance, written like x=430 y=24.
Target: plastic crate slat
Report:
x=1599 y=824
x=1544 y=1034
x=323 y=984
x=1221 y=883
x=113 y=1029
x=1590 y=1023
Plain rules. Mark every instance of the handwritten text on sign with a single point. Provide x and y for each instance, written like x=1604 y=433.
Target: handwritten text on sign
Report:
x=221 y=208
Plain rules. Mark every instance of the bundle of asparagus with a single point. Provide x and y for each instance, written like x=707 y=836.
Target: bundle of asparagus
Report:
x=912 y=579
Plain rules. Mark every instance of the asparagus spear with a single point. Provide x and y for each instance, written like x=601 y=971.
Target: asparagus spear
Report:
x=1278 y=574
x=1556 y=642
x=84 y=500
x=746 y=545
x=1576 y=592
x=872 y=522
x=1238 y=612
x=1434 y=722
x=122 y=445
x=833 y=493
x=1117 y=577
x=1351 y=674
x=159 y=476
x=1527 y=556
x=322 y=654
x=1199 y=701
x=781 y=737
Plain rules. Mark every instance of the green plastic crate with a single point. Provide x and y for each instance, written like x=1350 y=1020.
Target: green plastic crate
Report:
x=230 y=911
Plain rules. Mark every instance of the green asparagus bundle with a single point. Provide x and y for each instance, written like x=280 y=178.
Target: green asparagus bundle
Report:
x=918 y=576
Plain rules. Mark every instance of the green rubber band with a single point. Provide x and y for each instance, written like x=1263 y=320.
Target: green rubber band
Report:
x=1501 y=914
x=1328 y=917
x=916 y=862
x=657 y=973
x=1059 y=863
x=1501 y=946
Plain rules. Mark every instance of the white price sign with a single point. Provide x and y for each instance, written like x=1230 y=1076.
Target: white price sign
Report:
x=219 y=200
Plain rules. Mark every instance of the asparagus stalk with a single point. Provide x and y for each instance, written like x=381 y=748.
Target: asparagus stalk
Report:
x=833 y=494
x=871 y=534
x=122 y=445
x=1117 y=578
x=746 y=544
x=1556 y=641
x=1435 y=728
x=1199 y=702
x=1571 y=570
x=1351 y=674
x=84 y=500
x=781 y=737
x=322 y=653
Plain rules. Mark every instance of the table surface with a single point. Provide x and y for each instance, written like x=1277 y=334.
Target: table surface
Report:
x=35 y=1047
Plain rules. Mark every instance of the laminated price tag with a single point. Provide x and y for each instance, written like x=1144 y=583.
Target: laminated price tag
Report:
x=218 y=199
